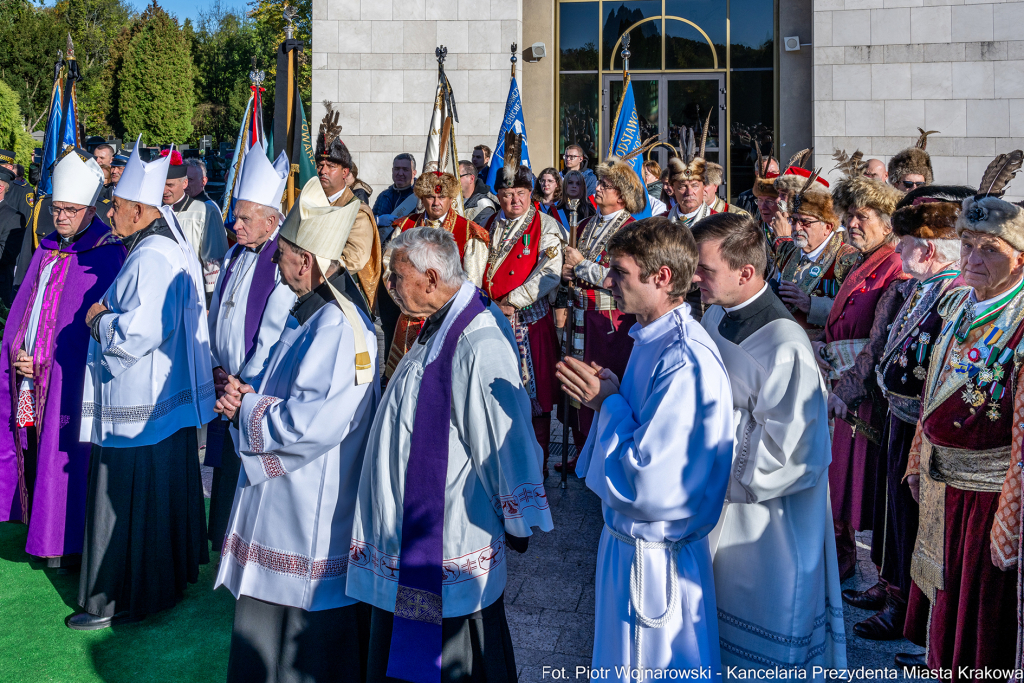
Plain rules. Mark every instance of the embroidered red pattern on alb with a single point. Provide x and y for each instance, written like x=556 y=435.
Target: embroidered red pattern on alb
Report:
x=524 y=496
x=472 y=565
x=281 y=562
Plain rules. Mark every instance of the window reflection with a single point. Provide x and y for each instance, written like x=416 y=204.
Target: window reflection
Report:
x=578 y=36
x=577 y=114
x=645 y=39
x=686 y=48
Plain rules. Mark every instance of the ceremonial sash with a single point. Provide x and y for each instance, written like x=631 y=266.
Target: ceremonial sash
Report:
x=416 y=637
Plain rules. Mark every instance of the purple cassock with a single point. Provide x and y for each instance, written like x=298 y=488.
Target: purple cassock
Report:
x=50 y=496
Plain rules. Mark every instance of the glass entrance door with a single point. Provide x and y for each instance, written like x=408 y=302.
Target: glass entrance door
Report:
x=665 y=104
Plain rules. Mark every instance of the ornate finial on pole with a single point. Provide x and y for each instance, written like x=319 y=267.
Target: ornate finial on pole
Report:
x=441 y=52
x=625 y=53
x=71 y=48
x=514 y=59
x=289 y=17
x=256 y=76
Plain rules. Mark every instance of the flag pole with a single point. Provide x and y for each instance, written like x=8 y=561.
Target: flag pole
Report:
x=58 y=67
x=285 y=121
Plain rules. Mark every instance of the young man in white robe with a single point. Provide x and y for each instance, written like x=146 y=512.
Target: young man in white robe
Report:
x=301 y=438
x=148 y=387
x=776 y=569
x=450 y=482
x=248 y=313
x=658 y=456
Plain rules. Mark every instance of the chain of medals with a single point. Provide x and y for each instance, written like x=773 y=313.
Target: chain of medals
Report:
x=918 y=342
x=983 y=364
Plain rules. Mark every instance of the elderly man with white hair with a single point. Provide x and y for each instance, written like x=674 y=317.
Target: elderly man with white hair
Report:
x=248 y=313
x=450 y=481
x=148 y=387
x=43 y=467
x=302 y=432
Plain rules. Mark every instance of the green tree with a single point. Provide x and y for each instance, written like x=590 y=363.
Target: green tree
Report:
x=12 y=130
x=270 y=21
x=156 y=81
x=29 y=39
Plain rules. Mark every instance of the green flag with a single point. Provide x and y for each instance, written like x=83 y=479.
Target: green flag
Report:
x=270 y=143
x=303 y=154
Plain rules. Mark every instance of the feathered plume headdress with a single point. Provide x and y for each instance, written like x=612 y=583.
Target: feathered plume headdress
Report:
x=851 y=166
x=764 y=180
x=513 y=173
x=329 y=145
x=690 y=164
x=794 y=179
x=913 y=161
x=986 y=212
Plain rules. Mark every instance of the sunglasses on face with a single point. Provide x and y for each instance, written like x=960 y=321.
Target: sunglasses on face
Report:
x=911 y=184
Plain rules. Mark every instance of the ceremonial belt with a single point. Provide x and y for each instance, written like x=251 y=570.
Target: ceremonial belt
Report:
x=636 y=585
x=961 y=468
x=841 y=355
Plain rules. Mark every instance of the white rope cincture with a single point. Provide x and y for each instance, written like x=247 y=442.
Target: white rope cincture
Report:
x=636 y=587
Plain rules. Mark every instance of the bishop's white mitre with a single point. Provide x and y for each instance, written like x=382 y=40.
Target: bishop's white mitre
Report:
x=77 y=181
x=260 y=181
x=143 y=182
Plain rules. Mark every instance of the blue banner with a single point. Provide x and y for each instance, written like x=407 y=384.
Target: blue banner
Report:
x=51 y=143
x=513 y=120
x=626 y=139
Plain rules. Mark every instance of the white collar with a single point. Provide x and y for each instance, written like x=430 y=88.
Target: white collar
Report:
x=980 y=306
x=813 y=256
x=605 y=218
x=748 y=301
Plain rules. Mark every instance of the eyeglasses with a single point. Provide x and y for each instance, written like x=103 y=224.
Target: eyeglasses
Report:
x=802 y=222
x=911 y=184
x=572 y=156
x=604 y=184
x=468 y=175
x=71 y=212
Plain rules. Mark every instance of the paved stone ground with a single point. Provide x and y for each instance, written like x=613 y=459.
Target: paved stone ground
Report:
x=550 y=593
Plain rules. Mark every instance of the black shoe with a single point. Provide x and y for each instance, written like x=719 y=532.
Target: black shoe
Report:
x=572 y=465
x=83 y=621
x=887 y=624
x=872 y=599
x=905 y=660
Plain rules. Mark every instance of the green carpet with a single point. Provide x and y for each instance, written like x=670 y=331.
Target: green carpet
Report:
x=188 y=643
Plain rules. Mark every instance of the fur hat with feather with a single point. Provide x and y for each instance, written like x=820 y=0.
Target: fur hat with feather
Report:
x=855 y=190
x=795 y=176
x=986 y=212
x=690 y=165
x=513 y=174
x=620 y=176
x=329 y=146
x=913 y=160
x=436 y=183
x=764 y=180
x=810 y=201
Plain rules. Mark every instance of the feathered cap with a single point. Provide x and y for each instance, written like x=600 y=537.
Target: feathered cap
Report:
x=764 y=180
x=177 y=169
x=436 y=183
x=329 y=146
x=986 y=212
x=690 y=164
x=623 y=178
x=795 y=177
x=811 y=201
x=913 y=160
x=513 y=174
x=861 y=191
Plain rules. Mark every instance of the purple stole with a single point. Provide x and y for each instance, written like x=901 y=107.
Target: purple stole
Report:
x=255 y=304
x=42 y=355
x=415 y=653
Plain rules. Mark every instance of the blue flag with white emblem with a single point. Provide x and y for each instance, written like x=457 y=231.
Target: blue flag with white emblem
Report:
x=626 y=139
x=512 y=120
x=51 y=143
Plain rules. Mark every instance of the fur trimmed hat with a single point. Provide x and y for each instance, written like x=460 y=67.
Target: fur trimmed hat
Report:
x=913 y=160
x=985 y=212
x=713 y=173
x=523 y=177
x=853 y=193
x=764 y=180
x=436 y=183
x=329 y=146
x=690 y=164
x=795 y=177
x=623 y=178
x=936 y=193
x=810 y=201
x=930 y=220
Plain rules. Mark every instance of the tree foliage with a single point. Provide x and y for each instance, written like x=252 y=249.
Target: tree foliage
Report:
x=156 y=93
x=13 y=135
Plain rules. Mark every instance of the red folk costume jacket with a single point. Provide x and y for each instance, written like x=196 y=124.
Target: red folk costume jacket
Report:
x=512 y=263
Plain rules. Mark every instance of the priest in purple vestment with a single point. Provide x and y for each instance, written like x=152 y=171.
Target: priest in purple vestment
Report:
x=43 y=465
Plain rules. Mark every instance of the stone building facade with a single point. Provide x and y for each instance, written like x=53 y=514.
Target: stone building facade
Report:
x=866 y=75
